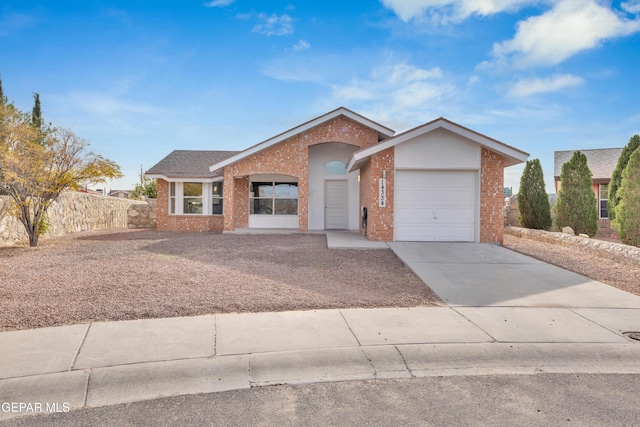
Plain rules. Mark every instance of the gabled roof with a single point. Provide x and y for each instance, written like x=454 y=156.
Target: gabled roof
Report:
x=383 y=133
x=601 y=161
x=512 y=155
x=188 y=164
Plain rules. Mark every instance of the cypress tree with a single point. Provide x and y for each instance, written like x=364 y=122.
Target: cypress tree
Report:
x=616 y=176
x=627 y=222
x=533 y=202
x=577 y=206
x=3 y=100
x=36 y=113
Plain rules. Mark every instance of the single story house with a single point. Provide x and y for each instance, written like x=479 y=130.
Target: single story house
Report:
x=437 y=182
x=601 y=163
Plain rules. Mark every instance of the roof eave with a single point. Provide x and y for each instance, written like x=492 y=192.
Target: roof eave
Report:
x=512 y=155
x=383 y=132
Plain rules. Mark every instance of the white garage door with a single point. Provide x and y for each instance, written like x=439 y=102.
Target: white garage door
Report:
x=435 y=206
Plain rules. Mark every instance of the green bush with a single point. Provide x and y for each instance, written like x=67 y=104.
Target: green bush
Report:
x=533 y=201
x=627 y=220
x=577 y=206
x=616 y=177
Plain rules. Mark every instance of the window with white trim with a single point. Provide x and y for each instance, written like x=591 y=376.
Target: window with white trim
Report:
x=172 y=197
x=192 y=198
x=603 y=191
x=273 y=198
x=217 y=198
x=196 y=198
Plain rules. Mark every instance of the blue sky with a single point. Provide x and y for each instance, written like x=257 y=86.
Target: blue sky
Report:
x=139 y=79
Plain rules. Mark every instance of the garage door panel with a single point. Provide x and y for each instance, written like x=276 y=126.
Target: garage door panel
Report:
x=435 y=206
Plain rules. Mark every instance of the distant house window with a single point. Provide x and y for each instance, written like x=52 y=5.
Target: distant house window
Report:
x=172 y=197
x=273 y=198
x=192 y=201
x=335 y=167
x=217 y=198
x=604 y=198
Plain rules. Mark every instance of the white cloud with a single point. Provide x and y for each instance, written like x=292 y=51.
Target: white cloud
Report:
x=570 y=27
x=301 y=45
x=401 y=94
x=632 y=6
x=452 y=10
x=527 y=87
x=274 y=25
x=218 y=3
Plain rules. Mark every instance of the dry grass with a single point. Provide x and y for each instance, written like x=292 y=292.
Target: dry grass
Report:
x=119 y=275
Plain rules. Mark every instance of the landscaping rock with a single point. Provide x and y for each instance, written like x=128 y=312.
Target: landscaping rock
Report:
x=569 y=231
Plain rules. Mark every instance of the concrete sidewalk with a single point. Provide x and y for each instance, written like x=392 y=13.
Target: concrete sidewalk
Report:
x=97 y=364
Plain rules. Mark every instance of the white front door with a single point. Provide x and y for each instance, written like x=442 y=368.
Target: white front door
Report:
x=435 y=206
x=335 y=205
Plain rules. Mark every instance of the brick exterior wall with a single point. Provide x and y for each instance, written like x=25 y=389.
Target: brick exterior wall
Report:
x=290 y=157
x=380 y=220
x=196 y=223
x=491 y=197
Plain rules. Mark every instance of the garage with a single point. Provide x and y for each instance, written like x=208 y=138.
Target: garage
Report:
x=436 y=206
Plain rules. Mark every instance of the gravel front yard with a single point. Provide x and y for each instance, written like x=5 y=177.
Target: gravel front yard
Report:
x=119 y=275
x=622 y=276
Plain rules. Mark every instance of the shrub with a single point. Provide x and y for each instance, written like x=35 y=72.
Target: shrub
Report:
x=533 y=201
x=627 y=221
x=616 y=176
x=577 y=206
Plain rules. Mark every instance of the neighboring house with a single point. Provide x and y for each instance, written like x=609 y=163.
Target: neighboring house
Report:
x=123 y=194
x=436 y=182
x=601 y=163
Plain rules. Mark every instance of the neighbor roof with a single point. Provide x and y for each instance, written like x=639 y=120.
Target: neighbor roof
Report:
x=188 y=164
x=601 y=161
x=383 y=133
x=512 y=155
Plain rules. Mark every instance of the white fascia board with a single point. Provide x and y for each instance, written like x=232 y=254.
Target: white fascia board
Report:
x=513 y=155
x=185 y=179
x=302 y=128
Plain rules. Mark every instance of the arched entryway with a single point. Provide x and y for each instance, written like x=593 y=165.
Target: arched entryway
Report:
x=333 y=193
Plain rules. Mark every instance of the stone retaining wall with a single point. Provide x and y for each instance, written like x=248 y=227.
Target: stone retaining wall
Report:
x=72 y=212
x=143 y=214
x=608 y=250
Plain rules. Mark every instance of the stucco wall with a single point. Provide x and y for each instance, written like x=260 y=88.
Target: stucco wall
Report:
x=72 y=212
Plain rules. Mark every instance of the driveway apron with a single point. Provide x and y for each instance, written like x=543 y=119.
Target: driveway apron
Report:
x=488 y=275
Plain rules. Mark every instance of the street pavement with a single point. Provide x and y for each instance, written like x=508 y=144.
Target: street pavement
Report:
x=497 y=321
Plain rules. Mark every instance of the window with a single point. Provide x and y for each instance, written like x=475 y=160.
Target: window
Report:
x=172 y=197
x=604 y=199
x=335 y=167
x=217 y=198
x=192 y=201
x=273 y=198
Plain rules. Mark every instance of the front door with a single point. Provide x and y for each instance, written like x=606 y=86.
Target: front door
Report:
x=335 y=205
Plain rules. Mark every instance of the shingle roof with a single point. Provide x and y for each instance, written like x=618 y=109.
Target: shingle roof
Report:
x=601 y=161
x=189 y=163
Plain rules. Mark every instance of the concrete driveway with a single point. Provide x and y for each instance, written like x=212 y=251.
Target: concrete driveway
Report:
x=481 y=275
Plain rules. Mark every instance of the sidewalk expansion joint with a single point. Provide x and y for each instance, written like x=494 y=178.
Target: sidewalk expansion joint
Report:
x=84 y=338
x=349 y=326
x=404 y=362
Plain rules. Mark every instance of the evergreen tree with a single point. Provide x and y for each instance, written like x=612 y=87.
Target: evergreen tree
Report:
x=36 y=113
x=3 y=99
x=577 y=206
x=533 y=201
x=616 y=177
x=36 y=119
x=627 y=222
